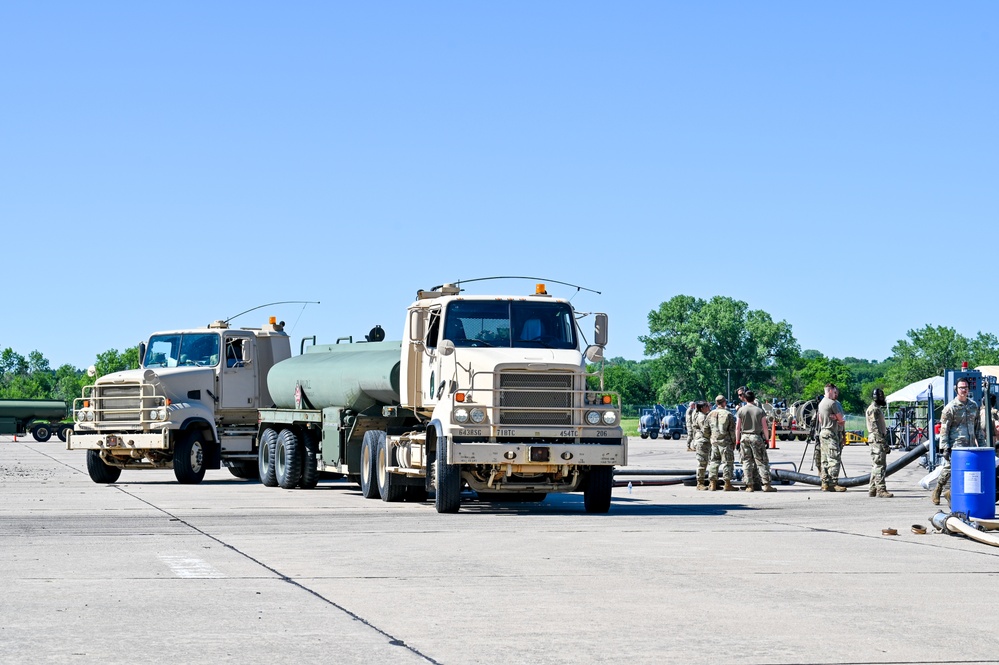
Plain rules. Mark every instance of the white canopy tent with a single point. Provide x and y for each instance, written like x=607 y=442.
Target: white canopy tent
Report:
x=917 y=391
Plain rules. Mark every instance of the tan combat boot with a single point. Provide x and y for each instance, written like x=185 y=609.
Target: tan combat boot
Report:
x=885 y=494
x=769 y=488
x=729 y=487
x=872 y=492
x=838 y=488
x=750 y=488
x=825 y=487
x=701 y=486
x=935 y=497
x=713 y=485
x=946 y=495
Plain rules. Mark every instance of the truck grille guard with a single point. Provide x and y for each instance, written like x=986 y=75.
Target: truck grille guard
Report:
x=126 y=405
x=542 y=399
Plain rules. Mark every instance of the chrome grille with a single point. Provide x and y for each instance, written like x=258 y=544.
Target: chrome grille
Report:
x=535 y=398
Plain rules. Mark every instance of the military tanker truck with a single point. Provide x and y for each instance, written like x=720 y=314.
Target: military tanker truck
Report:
x=191 y=406
x=488 y=392
x=41 y=417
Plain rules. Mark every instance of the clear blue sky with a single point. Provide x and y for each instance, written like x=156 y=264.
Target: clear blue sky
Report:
x=166 y=164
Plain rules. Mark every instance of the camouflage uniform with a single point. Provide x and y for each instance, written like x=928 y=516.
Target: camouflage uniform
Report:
x=982 y=420
x=958 y=428
x=752 y=422
x=876 y=437
x=689 y=420
x=830 y=439
x=702 y=446
x=755 y=479
x=721 y=426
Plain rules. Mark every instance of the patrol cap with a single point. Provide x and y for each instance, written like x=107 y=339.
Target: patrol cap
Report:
x=720 y=398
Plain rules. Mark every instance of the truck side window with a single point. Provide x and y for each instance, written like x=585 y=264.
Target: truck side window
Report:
x=233 y=352
x=434 y=329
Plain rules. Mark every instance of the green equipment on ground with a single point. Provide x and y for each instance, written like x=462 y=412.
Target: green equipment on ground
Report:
x=39 y=416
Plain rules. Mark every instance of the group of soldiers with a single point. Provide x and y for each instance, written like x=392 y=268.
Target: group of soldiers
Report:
x=716 y=434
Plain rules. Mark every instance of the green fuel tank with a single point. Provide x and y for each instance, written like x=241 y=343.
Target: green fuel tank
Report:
x=32 y=409
x=354 y=376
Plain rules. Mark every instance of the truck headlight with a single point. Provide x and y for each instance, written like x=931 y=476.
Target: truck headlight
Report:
x=593 y=417
x=161 y=413
x=610 y=417
x=89 y=415
x=461 y=415
x=153 y=414
x=478 y=415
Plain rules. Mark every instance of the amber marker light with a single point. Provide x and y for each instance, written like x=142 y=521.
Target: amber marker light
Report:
x=459 y=397
x=607 y=399
x=539 y=289
x=272 y=320
x=86 y=404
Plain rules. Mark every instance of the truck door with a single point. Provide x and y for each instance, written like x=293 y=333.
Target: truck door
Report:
x=239 y=373
x=430 y=361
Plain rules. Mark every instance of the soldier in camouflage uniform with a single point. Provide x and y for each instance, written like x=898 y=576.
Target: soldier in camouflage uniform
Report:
x=720 y=427
x=702 y=445
x=959 y=426
x=752 y=424
x=877 y=439
x=688 y=418
x=740 y=392
x=832 y=426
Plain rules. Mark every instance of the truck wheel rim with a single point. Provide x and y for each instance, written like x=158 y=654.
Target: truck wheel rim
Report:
x=197 y=457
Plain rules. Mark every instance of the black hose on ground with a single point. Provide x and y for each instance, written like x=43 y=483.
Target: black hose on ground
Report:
x=654 y=472
x=854 y=481
x=654 y=483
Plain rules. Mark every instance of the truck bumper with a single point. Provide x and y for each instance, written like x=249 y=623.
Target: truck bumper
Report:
x=541 y=454
x=118 y=441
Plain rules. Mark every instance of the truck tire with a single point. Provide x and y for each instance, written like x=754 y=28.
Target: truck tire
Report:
x=99 y=471
x=265 y=457
x=42 y=432
x=597 y=495
x=61 y=433
x=644 y=435
x=389 y=486
x=369 y=477
x=245 y=470
x=447 y=498
x=676 y=436
x=654 y=435
x=189 y=458
x=310 y=458
x=288 y=459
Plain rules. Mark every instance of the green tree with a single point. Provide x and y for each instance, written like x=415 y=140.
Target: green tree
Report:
x=112 y=361
x=632 y=380
x=700 y=345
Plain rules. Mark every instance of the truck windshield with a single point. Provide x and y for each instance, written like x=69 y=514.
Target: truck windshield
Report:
x=510 y=324
x=201 y=349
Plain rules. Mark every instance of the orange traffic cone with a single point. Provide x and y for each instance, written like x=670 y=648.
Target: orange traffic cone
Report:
x=773 y=435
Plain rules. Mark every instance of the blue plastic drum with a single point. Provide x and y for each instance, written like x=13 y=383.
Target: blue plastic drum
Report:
x=973 y=482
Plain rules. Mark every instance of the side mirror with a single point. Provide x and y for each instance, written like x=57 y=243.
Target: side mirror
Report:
x=142 y=353
x=446 y=347
x=594 y=353
x=92 y=371
x=417 y=330
x=247 y=353
x=600 y=330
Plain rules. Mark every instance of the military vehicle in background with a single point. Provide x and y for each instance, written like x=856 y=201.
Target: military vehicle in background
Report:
x=488 y=392
x=650 y=420
x=191 y=406
x=41 y=417
x=672 y=424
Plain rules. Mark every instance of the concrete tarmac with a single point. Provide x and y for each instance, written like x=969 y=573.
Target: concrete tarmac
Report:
x=150 y=571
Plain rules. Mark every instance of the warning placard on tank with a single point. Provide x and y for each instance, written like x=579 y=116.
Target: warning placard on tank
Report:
x=972 y=482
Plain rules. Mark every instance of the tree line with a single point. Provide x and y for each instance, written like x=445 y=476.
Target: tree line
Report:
x=701 y=348
x=34 y=378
